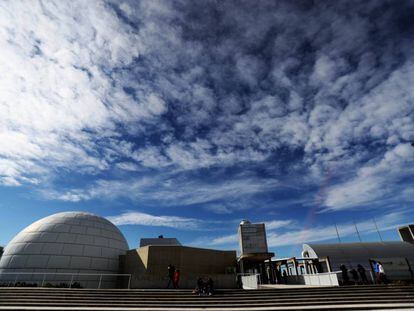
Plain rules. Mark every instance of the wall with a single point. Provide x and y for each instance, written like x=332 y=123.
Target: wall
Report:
x=148 y=266
x=319 y=279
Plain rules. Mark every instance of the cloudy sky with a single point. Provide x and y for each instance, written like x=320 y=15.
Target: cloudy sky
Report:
x=183 y=117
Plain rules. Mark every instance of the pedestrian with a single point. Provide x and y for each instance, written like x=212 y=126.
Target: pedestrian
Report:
x=278 y=276
x=285 y=277
x=171 y=270
x=345 y=278
x=382 y=278
x=176 y=278
x=362 y=274
x=210 y=287
x=201 y=287
x=354 y=275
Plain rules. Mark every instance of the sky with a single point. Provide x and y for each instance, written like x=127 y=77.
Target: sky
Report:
x=182 y=118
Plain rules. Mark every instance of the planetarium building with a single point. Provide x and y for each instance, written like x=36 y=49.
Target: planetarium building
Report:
x=77 y=248
x=64 y=244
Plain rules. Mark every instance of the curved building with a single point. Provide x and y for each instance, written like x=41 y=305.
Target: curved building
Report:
x=69 y=242
x=396 y=257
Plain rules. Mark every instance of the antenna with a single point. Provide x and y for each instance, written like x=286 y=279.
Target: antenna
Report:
x=340 y=246
x=376 y=227
x=356 y=228
x=337 y=233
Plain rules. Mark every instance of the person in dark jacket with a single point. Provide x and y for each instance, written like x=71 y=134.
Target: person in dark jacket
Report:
x=362 y=274
x=285 y=277
x=345 y=277
x=201 y=287
x=171 y=271
x=354 y=275
x=210 y=287
x=278 y=276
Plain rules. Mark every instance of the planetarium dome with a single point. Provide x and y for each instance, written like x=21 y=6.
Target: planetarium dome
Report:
x=69 y=242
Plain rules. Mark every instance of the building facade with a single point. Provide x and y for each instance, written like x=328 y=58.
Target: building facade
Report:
x=78 y=247
x=62 y=244
x=148 y=266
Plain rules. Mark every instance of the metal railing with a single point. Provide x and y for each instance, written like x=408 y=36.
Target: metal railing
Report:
x=71 y=276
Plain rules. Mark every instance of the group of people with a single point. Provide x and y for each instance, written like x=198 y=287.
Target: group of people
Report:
x=173 y=276
x=281 y=277
x=205 y=286
x=359 y=275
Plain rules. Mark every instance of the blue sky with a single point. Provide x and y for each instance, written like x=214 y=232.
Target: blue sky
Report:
x=182 y=118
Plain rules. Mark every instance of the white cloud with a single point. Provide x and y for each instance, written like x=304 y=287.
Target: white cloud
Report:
x=137 y=218
x=288 y=233
x=167 y=190
x=232 y=239
x=325 y=69
x=376 y=182
x=78 y=81
x=277 y=224
x=54 y=86
x=323 y=233
x=225 y=240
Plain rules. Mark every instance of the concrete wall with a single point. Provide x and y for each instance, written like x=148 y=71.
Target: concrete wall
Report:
x=148 y=266
x=319 y=279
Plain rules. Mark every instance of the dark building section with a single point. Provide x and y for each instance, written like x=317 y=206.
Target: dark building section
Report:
x=148 y=266
x=159 y=241
x=407 y=233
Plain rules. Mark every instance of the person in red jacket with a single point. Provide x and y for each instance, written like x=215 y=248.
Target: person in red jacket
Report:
x=176 y=278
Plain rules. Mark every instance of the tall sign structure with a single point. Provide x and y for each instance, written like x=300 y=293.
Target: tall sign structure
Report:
x=252 y=238
x=253 y=247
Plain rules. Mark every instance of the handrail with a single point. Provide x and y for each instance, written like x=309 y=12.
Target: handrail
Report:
x=68 y=274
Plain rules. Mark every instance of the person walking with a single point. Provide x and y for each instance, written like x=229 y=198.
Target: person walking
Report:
x=278 y=276
x=354 y=275
x=382 y=278
x=362 y=274
x=176 y=278
x=285 y=277
x=345 y=278
x=200 y=289
x=171 y=271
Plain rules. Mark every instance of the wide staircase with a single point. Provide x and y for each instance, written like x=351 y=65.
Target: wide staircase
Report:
x=390 y=297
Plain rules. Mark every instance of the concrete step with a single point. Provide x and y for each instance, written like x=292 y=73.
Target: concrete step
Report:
x=191 y=296
x=359 y=306
x=204 y=304
x=344 y=298
x=225 y=290
x=350 y=307
x=201 y=300
x=70 y=294
x=174 y=291
x=219 y=292
x=314 y=300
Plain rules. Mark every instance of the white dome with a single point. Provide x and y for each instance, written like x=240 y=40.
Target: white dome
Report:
x=70 y=242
